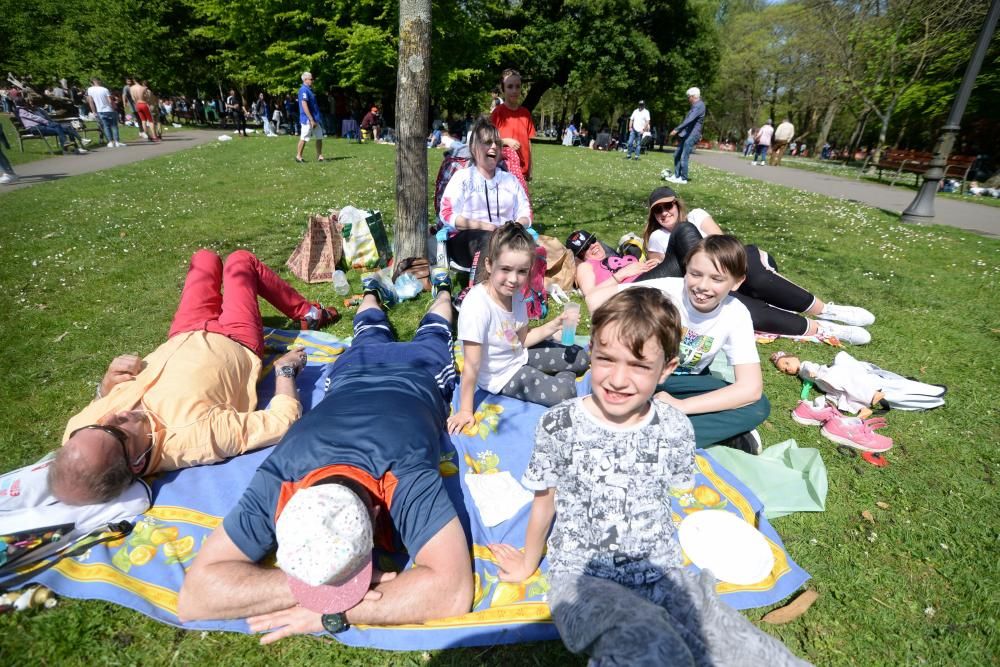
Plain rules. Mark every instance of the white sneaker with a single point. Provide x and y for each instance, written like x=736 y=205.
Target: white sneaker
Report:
x=119 y=144
x=680 y=181
x=81 y=151
x=845 y=333
x=6 y=179
x=86 y=141
x=143 y=135
x=852 y=315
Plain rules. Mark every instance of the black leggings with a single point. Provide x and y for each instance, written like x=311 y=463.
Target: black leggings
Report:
x=462 y=247
x=773 y=301
x=768 y=295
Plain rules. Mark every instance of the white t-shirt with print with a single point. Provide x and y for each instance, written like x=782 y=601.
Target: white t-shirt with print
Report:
x=659 y=239
x=727 y=328
x=101 y=97
x=495 y=200
x=482 y=320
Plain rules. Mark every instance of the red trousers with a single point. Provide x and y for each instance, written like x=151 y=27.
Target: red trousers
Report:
x=224 y=300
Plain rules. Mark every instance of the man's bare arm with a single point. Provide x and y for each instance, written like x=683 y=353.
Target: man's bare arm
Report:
x=439 y=585
x=223 y=583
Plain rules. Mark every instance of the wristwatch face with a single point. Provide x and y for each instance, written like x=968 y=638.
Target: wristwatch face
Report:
x=286 y=371
x=334 y=623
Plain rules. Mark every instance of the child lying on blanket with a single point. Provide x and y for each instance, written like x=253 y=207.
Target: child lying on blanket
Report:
x=502 y=355
x=618 y=590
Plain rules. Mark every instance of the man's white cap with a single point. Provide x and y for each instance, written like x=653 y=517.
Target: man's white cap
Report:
x=325 y=544
x=693 y=92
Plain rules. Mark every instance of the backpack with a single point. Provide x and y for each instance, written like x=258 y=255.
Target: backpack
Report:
x=35 y=526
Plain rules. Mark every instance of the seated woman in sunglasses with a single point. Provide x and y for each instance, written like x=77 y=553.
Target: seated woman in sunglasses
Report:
x=481 y=197
x=193 y=400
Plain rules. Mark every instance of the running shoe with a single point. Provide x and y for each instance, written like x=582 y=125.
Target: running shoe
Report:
x=845 y=333
x=319 y=317
x=850 y=315
x=384 y=291
x=440 y=280
x=815 y=413
x=857 y=433
x=748 y=442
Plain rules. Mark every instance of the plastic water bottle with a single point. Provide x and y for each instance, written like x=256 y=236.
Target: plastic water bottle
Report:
x=340 y=284
x=572 y=311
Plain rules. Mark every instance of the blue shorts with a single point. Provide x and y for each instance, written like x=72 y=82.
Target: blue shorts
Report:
x=431 y=349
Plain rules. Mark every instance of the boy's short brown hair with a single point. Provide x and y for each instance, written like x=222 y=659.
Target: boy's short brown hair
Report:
x=640 y=314
x=726 y=253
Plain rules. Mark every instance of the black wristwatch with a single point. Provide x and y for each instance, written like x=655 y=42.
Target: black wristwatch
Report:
x=335 y=623
x=286 y=371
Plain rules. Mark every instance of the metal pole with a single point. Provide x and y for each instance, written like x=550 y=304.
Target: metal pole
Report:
x=921 y=209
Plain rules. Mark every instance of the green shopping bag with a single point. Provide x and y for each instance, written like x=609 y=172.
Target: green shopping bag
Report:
x=787 y=478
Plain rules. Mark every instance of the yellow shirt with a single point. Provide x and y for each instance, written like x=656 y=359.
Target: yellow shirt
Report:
x=200 y=391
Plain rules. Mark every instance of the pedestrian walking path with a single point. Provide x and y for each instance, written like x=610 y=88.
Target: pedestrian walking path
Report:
x=52 y=169
x=978 y=218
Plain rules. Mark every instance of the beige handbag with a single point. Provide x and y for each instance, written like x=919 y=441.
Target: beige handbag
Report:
x=560 y=266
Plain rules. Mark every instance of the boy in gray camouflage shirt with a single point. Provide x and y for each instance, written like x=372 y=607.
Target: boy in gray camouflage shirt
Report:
x=618 y=590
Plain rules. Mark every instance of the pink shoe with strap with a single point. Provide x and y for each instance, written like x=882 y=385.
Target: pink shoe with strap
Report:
x=857 y=434
x=815 y=413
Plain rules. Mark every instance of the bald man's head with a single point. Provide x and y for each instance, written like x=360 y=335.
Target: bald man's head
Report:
x=89 y=469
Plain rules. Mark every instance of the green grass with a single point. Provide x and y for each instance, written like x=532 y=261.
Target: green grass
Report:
x=906 y=181
x=92 y=267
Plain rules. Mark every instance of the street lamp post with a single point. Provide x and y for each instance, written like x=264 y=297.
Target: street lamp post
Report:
x=921 y=209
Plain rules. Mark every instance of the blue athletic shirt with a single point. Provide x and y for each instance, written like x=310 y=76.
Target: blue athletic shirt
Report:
x=306 y=93
x=383 y=430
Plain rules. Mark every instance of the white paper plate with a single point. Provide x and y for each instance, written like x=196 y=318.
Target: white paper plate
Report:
x=731 y=548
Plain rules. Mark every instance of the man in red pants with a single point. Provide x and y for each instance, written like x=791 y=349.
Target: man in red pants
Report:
x=192 y=400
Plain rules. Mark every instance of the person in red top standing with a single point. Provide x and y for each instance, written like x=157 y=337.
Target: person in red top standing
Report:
x=514 y=121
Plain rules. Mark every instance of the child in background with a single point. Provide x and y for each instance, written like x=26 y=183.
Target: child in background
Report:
x=514 y=121
x=607 y=463
x=712 y=321
x=502 y=355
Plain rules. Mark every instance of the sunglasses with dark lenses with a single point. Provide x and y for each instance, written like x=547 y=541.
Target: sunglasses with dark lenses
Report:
x=664 y=206
x=114 y=432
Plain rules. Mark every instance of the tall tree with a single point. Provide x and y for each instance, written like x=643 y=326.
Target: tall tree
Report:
x=412 y=103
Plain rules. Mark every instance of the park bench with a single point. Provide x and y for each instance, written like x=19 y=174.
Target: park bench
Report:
x=28 y=133
x=917 y=163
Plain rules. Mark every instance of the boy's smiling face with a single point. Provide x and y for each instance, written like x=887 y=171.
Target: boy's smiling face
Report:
x=707 y=284
x=622 y=382
x=512 y=90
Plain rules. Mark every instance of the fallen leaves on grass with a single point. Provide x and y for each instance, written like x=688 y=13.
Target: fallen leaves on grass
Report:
x=867 y=516
x=882 y=505
x=60 y=337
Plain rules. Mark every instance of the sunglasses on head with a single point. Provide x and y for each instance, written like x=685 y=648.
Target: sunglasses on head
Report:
x=115 y=433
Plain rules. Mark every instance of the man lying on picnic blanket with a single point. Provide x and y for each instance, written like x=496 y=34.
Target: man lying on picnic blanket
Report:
x=349 y=474
x=192 y=401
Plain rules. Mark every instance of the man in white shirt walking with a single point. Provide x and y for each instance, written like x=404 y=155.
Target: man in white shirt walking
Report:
x=99 y=101
x=784 y=133
x=638 y=123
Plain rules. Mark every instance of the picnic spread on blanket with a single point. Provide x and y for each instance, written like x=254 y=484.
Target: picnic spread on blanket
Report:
x=144 y=570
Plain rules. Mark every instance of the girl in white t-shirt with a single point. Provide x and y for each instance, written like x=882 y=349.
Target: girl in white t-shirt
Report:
x=774 y=302
x=501 y=354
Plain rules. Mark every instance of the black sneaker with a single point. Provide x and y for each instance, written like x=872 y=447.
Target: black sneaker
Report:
x=748 y=442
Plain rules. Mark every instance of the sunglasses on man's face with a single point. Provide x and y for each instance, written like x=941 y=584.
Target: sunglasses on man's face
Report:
x=115 y=433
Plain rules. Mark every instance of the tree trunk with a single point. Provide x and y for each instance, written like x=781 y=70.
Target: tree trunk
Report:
x=824 y=130
x=859 y=130
x=412 y=100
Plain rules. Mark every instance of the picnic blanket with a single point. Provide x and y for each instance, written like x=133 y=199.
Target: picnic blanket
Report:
x=145 y=570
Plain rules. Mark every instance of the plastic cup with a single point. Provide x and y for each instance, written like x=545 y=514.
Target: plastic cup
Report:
x=572 y=311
